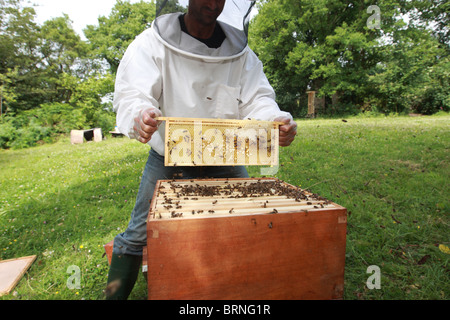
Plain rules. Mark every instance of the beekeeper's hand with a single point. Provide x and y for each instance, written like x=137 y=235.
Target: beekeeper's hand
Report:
x=145 y=124
x=288 y=131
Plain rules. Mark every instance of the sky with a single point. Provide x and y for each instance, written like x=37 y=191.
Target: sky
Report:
x=81 y=12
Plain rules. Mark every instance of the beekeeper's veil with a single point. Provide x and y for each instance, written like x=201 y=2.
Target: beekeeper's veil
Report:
x=234 y=21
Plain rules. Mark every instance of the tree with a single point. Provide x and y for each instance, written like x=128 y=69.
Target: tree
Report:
x=7 y=93
x=49 y=83
x=434 y=14
x=114 y=33
x=88 y=94
x=411 y=75
x=33 y=58
x=325 y=46
x=333 y=47
x=112 y=36
x=62 y=53
x=19 y=38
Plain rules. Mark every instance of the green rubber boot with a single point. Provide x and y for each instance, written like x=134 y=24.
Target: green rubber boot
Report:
x=122 y=276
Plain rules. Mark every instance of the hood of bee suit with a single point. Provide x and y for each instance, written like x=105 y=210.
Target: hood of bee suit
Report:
x=233 y=20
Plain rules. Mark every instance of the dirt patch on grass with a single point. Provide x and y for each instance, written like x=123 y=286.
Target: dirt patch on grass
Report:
x=413 y=166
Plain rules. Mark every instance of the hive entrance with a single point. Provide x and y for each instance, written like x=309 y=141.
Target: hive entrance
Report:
x=218 y=142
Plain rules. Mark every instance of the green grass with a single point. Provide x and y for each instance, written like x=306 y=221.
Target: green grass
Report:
x=63 y=202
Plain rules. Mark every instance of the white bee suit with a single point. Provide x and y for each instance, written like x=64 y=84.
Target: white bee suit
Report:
x=167 y=69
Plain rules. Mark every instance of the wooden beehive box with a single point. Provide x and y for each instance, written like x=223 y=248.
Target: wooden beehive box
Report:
x=243 y=239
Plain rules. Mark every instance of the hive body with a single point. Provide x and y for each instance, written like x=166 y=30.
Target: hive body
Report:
x=243 y=239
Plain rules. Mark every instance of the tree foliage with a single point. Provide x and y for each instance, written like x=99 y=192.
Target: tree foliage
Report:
x=47 y=67
x=114 y=33
x=34 y=58
x=19 y=55
x=334 y=47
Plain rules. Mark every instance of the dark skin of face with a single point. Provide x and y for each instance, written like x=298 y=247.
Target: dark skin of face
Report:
x=202 y=16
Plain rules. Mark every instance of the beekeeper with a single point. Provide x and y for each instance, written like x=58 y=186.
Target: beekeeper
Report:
x=194 y=65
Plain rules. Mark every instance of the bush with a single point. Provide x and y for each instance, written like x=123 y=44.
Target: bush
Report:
x=7 y=133
x=45 y=124
x=61 y=117
x=104 y=119
x=40 y=125
x=434 y=100
x=31 y=136
x=436 y=93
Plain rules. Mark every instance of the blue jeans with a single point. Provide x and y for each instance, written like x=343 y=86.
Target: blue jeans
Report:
x=135 y=236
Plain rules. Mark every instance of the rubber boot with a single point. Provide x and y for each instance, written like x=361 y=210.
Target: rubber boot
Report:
x=122 y=276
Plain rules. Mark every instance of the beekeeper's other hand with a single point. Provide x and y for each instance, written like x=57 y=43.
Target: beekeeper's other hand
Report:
x=288 y=131
x=145 y=124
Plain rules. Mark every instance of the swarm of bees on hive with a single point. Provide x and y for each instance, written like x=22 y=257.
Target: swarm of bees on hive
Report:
x=176 y=198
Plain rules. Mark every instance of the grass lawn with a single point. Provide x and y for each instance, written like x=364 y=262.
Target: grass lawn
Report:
x=63 y=202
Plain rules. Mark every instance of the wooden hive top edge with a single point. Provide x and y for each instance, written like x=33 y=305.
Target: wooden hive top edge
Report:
x=203 y=198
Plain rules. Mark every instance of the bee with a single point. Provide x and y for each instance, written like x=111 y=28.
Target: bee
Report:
x=231 y=211
x=274 y=211
x=211 y=211
x=176 y=215
x=214 y=202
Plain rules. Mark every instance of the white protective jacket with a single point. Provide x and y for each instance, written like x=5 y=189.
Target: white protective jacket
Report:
x=166 y=69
